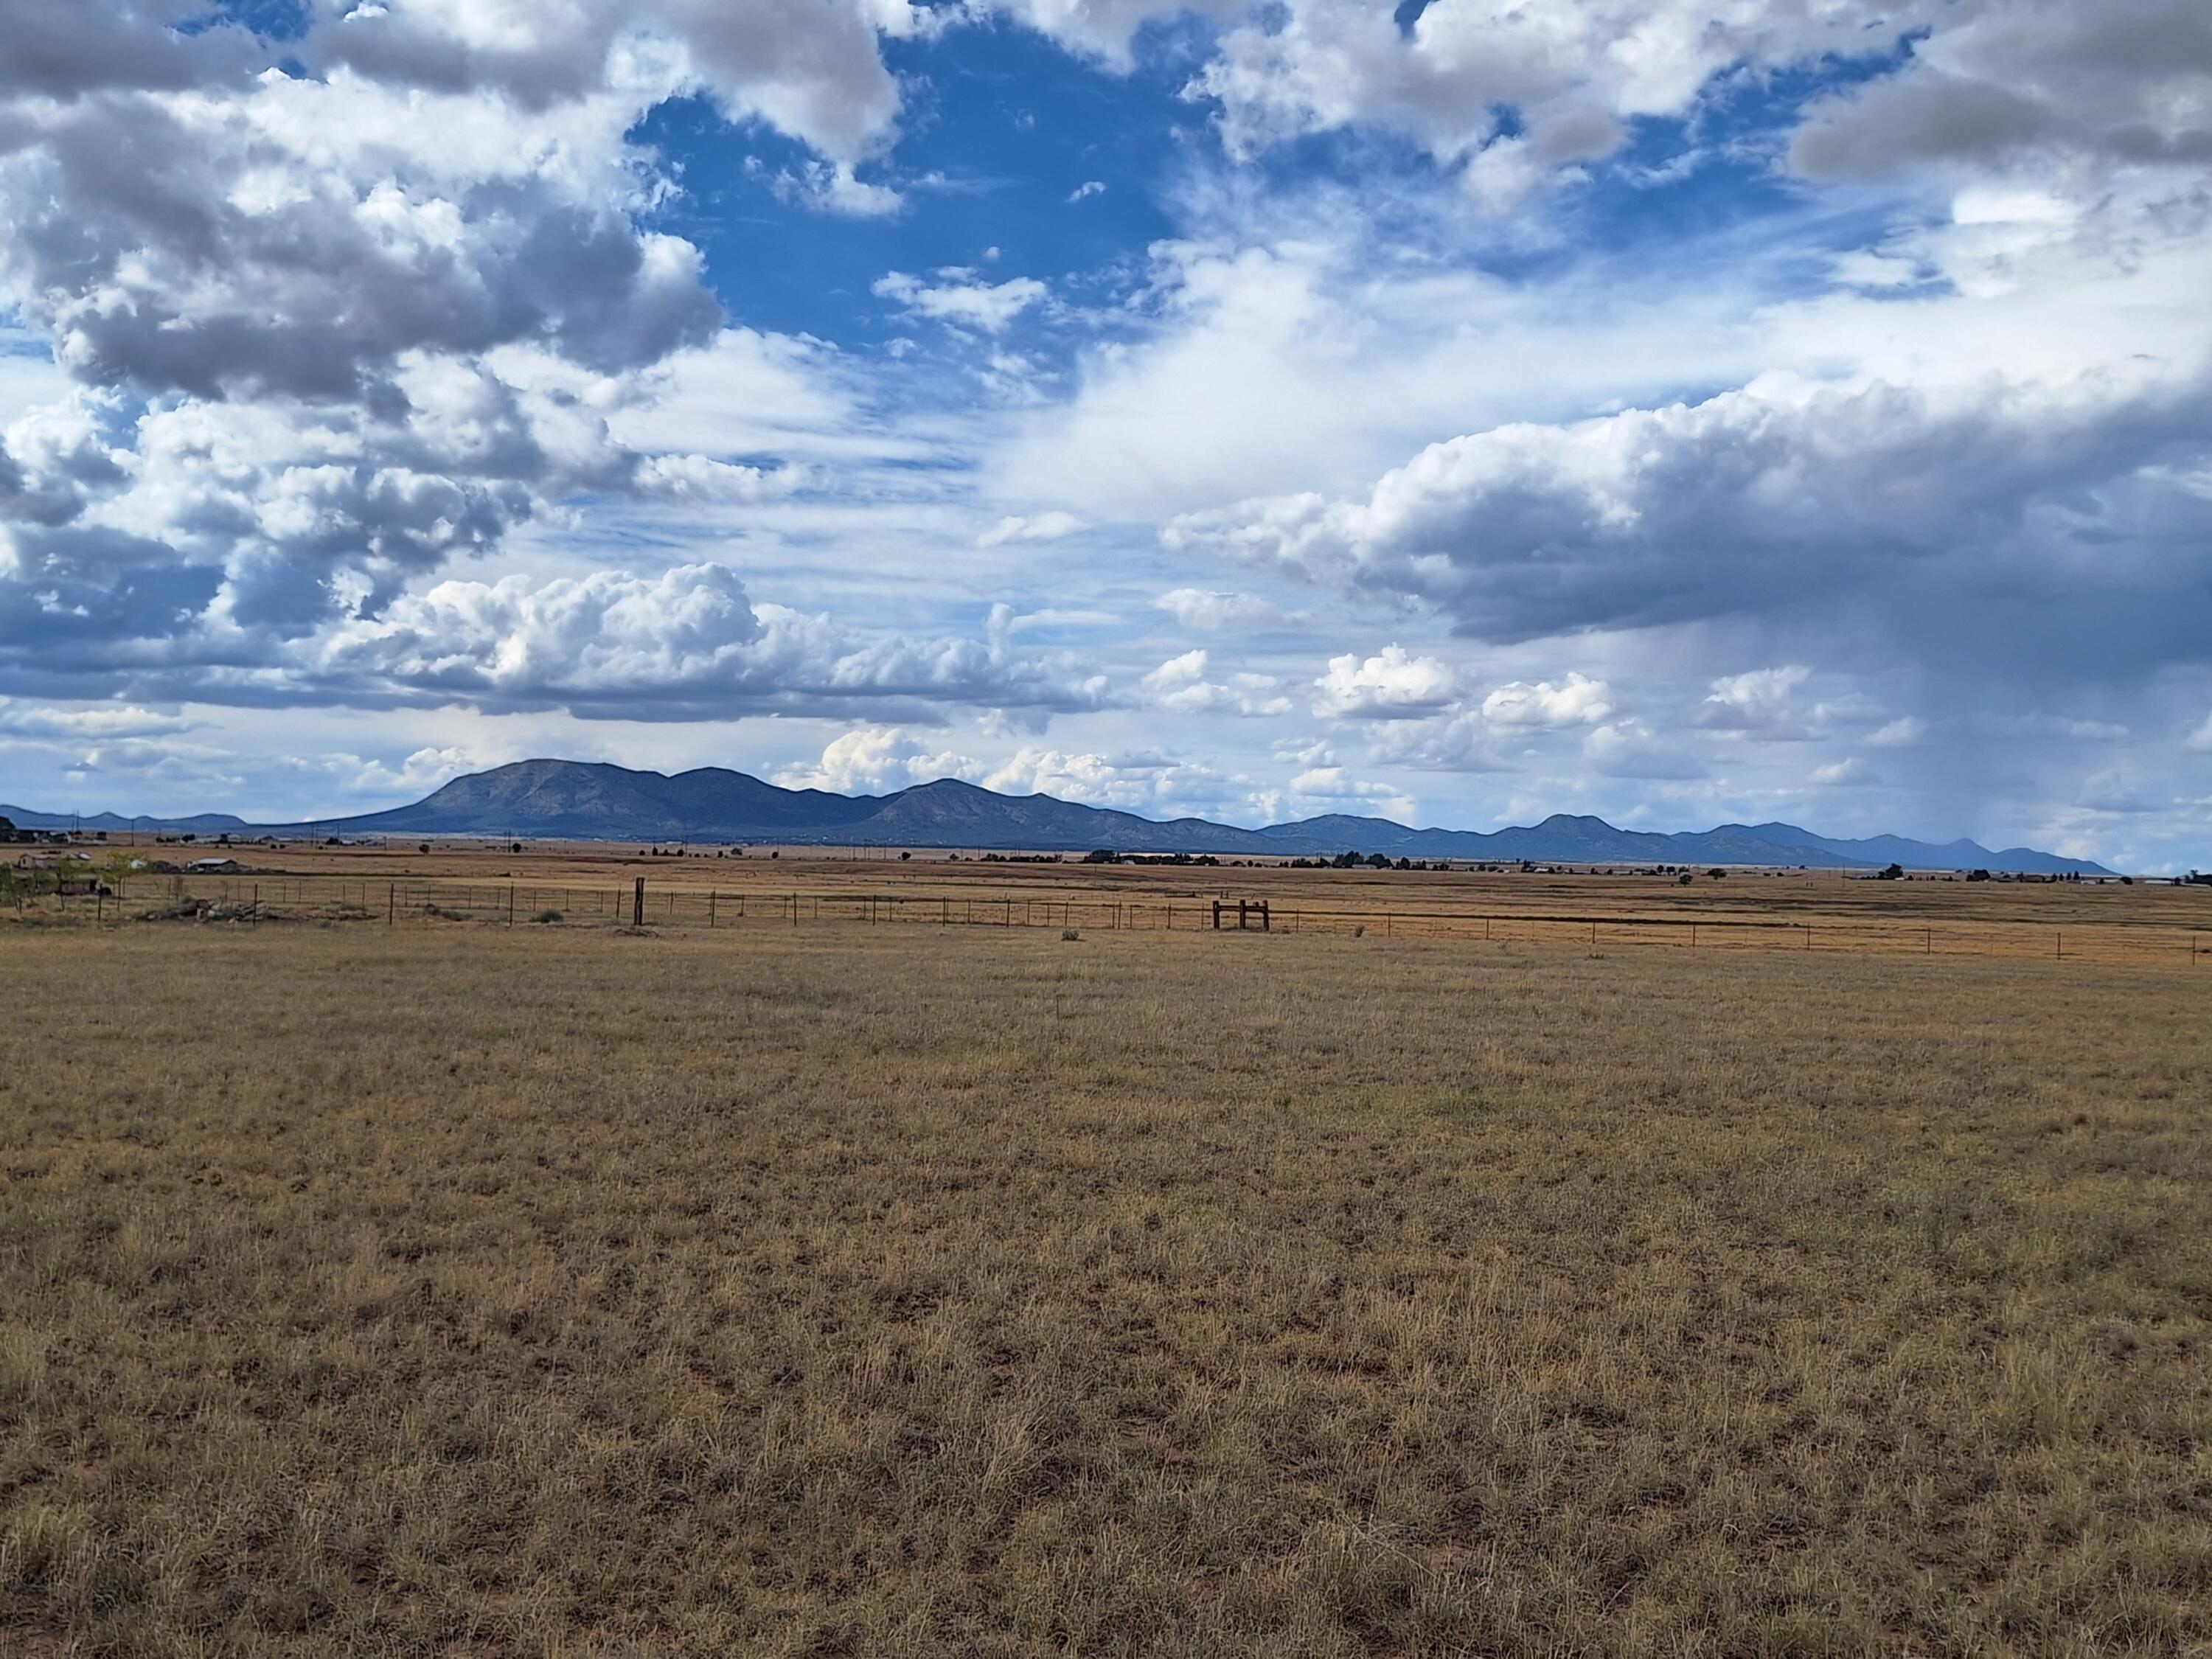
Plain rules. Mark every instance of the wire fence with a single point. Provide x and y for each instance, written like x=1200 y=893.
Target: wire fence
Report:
x=223 y=898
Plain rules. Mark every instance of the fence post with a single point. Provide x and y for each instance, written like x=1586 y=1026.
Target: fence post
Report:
x=710 y=907
x=510 y=904
x=637 y=904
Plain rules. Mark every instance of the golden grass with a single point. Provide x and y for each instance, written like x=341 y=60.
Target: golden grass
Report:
x=2143 y=924
x=917 y=1291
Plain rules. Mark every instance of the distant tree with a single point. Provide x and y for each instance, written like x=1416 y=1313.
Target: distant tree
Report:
x=1378 y=860
x=1895 y=872
x=1715 y=875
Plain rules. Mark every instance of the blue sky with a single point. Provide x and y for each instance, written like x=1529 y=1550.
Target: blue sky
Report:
x=1671 y=410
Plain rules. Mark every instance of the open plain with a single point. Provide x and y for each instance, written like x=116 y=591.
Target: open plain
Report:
x=2145 y=923
x=456 y=1289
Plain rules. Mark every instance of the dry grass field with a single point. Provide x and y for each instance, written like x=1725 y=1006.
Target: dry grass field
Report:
x=910 y=1291
x=2143 y=924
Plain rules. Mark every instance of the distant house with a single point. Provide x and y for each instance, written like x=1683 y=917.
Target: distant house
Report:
x=214 y=867
x=39 y=861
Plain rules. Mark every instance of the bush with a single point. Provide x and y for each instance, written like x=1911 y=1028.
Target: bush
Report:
x=547 y=916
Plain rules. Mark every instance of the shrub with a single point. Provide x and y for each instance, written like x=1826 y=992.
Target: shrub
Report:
x=547 y=916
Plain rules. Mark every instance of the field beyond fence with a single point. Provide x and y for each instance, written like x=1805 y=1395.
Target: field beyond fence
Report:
x=1595 y=914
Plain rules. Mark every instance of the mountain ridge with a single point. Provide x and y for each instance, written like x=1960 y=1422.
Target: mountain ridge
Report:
x=588 y=800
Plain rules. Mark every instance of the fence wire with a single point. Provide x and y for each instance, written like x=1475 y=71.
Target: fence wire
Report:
x=223 y=898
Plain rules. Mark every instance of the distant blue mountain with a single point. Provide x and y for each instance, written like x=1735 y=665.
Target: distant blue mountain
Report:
x=585 y=801
x=204 y=823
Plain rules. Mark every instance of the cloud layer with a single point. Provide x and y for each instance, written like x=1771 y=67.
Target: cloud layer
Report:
x=1470 y=410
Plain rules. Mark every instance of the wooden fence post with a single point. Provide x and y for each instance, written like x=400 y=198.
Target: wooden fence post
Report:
x=637 y=904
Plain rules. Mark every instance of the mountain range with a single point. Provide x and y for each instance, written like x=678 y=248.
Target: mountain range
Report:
x=588 y=801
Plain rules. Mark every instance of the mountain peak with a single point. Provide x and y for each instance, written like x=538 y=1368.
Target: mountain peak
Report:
x=592 y=800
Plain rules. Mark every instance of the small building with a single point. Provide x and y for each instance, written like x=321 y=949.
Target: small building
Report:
x=39 y=861
x=214 y=867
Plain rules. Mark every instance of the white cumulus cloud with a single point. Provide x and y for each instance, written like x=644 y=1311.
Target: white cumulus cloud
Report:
x=959 y=298
x=1393 y=684
x=1576 y=701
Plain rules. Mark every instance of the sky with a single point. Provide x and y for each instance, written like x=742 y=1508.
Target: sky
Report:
x=1677 y=411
